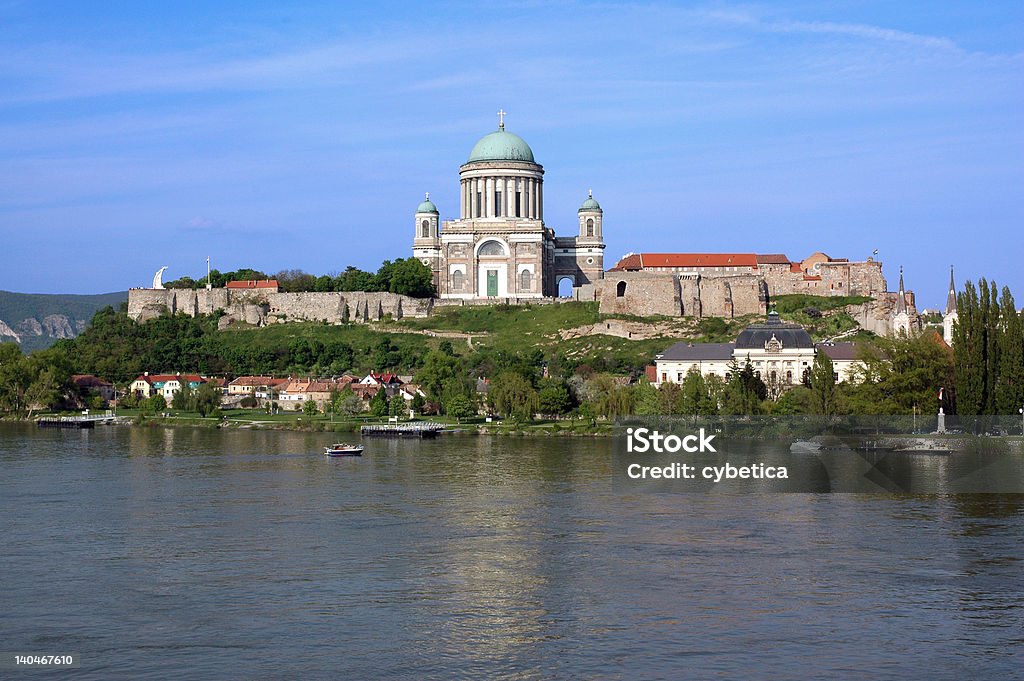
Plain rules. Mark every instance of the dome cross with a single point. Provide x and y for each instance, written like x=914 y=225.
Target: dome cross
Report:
x=501 y=119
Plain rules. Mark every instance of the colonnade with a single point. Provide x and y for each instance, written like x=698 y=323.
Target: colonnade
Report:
x=479 y=196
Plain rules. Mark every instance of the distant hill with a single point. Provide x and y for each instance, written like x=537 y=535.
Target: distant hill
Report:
x=38 y=320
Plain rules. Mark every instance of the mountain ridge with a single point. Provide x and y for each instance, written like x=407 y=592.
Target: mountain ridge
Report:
x=38 y=320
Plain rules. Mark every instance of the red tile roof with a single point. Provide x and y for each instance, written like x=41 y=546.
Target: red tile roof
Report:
x=252 y=283
x=639 y=261
x=772 y=259
x=163 y=378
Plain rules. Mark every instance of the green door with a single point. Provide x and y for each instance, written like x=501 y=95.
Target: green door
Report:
x=492 y=282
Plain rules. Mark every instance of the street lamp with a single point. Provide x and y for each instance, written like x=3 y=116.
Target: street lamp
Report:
x=1021 y=412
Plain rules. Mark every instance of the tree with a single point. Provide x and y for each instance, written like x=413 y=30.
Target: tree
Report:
x=646 y=399
x=309 y=408
x=443 y=377
x=182 y=400
x=744 y=391
x=155 y=403
x=379 y=403
x=396 y=407
x=206 y=399
x=511 y=394
x=554 y=397
x=410 y=277
x=1010 y=381
x=823 y=385
x=694 y=393
x=460 y=407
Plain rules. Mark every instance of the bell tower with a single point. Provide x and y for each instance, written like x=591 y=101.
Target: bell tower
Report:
x=426 y=244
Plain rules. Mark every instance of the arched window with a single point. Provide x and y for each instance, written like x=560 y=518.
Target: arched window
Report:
x=620 y=290
x=491 y=248
x=789 y=377
x=425 y=229
x=525 y=280
x=590 y=226
x=457 y=280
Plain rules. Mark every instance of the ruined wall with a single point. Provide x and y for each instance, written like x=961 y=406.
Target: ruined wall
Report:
x=260 y=308
x=827 y=279
x=646 y=294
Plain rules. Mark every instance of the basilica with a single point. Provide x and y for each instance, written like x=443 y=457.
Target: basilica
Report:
x=500 y=247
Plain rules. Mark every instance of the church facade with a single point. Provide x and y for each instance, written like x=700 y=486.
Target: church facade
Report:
x=500 y=247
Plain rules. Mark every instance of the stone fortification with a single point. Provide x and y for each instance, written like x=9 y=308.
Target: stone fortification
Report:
x=648 y=293
x=260 y=309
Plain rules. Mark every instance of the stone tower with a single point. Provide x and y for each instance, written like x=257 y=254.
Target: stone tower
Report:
x=426 y=239
x=951 y=316
x=590 y=242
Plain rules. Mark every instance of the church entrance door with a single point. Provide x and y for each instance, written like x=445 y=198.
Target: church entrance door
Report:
x=492 y=283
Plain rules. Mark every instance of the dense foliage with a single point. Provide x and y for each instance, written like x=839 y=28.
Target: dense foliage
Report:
x=988 y=344
x=408 y=277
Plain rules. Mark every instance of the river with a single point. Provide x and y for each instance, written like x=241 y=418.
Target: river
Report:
x=156 y=553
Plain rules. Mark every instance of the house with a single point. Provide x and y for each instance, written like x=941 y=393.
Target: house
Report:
x=167 y=385
x=88 y=384
x=410 y=391
x=259 y=386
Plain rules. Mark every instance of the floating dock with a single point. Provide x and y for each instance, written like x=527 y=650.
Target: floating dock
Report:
x=423 y=431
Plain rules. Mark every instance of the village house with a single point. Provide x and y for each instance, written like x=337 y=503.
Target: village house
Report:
x=166 y=385
x=88 y=384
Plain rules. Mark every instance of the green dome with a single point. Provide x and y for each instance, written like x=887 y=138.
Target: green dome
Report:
x=589 y=204
x=501 y=146
x=427 y=206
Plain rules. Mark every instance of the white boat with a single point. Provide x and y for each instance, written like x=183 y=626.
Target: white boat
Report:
x=343 y=449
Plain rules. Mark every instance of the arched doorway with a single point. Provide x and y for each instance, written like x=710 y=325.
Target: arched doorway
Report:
x=565 y=286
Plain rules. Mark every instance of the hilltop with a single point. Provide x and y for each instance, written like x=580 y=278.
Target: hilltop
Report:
x=38 y=320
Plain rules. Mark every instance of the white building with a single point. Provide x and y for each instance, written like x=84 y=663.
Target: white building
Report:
x=781 y=354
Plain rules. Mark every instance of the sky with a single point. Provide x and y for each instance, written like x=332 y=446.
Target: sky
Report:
x=303 y=135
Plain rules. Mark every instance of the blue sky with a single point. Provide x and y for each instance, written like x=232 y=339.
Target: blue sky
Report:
x=292 y=135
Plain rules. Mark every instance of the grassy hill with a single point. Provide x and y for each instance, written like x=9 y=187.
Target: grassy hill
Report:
x=37 y=320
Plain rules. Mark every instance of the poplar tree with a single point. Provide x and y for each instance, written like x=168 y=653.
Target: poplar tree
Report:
x=1010 y=386
x=969 y=352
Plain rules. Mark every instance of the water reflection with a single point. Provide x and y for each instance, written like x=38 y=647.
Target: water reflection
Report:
x=190 y=553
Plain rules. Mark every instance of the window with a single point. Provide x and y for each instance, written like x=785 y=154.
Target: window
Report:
x=497 y=204
x=664 y=377
x=590 y=226
x=457 y=280
x=679 y=377
x=519 y=204
x=425 y=229
x=525 y=280
x=479 y=203
x=490 y=248
x=789 y=377
x=620 y=290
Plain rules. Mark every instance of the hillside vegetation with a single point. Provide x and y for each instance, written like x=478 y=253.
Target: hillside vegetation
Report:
x=485 y=337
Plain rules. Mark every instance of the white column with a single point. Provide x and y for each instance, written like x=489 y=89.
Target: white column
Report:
x=540 y=200
x=510 y=196
x=533 y=199
x=476 y=190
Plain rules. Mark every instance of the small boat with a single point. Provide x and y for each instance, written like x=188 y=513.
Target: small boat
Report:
x=343 y=449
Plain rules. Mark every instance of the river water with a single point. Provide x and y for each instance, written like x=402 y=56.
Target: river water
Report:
x=155 y=553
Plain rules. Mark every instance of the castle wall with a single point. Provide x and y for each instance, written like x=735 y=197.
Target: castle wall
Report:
x=647 y=294
x=259 y=308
